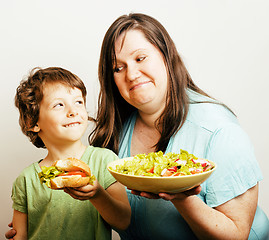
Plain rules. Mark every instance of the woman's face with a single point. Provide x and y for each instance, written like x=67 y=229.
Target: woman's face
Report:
x=140 y=72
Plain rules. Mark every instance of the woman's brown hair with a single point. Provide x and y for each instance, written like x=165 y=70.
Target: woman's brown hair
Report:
x=113 y=110
x=29 y=95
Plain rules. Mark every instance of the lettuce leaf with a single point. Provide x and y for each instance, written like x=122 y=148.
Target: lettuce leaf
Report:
x=48 y=173
x=141 y=164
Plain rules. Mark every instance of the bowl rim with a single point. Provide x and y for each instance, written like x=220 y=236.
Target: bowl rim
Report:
x=149 y=177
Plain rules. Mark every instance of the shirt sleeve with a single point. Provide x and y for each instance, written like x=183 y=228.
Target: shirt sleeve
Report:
x=109 y=179
x=19 y=195
x=100 y=158
x=237 y=169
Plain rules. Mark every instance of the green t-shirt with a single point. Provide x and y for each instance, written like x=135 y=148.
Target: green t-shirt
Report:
x=53 y=214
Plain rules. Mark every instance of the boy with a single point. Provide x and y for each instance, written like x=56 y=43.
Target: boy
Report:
x=53 y=115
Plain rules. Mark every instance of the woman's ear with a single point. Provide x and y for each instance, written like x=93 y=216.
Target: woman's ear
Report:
x=36 y=128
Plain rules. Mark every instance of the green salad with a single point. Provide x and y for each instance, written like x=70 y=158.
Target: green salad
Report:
x=157 y=164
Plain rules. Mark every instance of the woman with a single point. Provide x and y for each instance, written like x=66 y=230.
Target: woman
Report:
x=152 y=104
x=148 y=102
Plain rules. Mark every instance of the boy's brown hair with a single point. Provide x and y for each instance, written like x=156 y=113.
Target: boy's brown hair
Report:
x=29 y=95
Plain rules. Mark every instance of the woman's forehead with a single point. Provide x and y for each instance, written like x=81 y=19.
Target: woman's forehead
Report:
x=132 y=41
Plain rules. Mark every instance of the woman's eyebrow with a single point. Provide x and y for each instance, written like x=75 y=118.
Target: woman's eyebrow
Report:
x=137 y=50
x=131 y=54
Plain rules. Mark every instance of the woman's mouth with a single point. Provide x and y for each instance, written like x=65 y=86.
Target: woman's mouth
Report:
x=139 y=85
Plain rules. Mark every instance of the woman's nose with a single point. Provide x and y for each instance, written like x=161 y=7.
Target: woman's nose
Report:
x=133 y=73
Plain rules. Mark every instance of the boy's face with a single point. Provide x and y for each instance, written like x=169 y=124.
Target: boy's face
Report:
x=62 y=117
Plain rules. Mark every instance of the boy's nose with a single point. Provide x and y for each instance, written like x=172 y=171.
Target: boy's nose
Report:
x=72 y=114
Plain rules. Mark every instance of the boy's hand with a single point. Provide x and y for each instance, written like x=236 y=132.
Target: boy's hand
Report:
x=84 y=193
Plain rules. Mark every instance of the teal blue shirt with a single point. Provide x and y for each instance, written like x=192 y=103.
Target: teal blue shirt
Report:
x=210 y=131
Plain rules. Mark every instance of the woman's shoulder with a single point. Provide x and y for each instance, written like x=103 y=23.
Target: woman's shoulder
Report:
x=209 y=113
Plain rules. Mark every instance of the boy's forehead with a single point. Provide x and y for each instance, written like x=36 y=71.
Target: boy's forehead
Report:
x=58 y=87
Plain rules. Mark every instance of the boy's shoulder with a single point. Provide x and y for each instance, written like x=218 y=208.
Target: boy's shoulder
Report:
x=29 y=170
x=99 y=150
x=98 y=155
x=28 y=174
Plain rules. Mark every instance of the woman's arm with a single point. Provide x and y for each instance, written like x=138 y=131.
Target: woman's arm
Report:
x=11 y=232
x=20 y=225
x=231 y=220
x=112 y=203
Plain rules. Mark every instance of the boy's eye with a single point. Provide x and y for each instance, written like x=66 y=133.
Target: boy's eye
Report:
x=58 y=105
x=79 y=102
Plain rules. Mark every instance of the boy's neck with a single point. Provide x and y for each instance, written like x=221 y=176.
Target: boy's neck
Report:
x=75 y=150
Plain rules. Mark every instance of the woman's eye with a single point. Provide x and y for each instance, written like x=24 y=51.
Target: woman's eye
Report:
x=140 y=59
x=118 y=69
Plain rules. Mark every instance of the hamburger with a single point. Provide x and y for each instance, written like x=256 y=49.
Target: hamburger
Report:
x=70 y=172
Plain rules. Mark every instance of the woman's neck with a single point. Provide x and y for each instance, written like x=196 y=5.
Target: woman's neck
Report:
x=145 y=135
x=148 y=119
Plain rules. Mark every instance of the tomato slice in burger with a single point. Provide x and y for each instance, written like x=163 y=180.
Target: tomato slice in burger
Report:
x=82 y=174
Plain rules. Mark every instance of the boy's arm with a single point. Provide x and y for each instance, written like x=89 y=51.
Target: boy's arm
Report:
x=20 y=225
x=112 y=203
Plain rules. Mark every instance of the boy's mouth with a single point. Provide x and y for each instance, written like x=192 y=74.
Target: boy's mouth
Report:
x=72 y=124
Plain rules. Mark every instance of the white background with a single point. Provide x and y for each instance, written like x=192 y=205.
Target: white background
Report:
x=225 y=46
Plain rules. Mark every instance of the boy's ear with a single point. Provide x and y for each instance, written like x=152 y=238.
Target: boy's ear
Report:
x=36 y=128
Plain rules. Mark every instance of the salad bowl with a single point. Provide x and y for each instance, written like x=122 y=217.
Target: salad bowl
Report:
x=153 y=184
